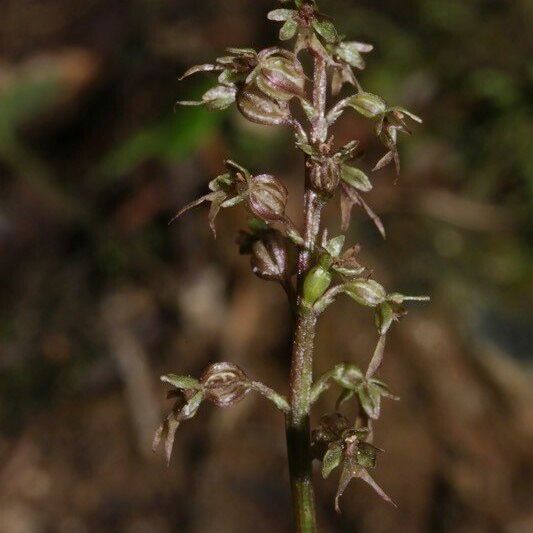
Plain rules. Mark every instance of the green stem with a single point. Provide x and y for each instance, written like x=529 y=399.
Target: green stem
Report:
x=301 y=377
x=298 y=427
x=301 y=380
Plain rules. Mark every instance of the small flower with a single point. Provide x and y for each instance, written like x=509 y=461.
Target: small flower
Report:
x=347 y=56
x=263 y=195
x=343 y=263
x=276 y=72
x=327 y=170
x=349 y=53
x=223 y=384
x=353 y=181
x=311 y=27
x=357 y=458
x=225 y=192
x=367 y=389
x=338 y=443
x=389 y=121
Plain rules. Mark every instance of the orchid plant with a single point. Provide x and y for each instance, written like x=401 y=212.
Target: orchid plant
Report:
x=267 y=86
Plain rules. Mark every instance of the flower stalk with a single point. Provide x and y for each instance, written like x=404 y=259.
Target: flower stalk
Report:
x=301 y=374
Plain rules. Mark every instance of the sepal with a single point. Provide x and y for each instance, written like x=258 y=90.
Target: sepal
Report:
x=216 y=99
x=366 y=292
x=185 y=407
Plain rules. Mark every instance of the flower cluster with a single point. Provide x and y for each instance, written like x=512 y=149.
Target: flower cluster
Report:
x=261 y=83
x=222 y=384
x=266 y=86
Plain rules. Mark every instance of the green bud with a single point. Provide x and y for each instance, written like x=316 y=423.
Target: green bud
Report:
x=366 y=292
x=316 y=283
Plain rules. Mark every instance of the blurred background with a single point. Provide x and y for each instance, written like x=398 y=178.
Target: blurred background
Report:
x=99 y=296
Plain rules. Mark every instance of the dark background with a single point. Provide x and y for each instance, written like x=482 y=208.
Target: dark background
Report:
x=99 y=296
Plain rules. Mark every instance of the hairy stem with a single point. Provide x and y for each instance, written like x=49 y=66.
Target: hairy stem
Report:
x=298 y=427
x=301 y=377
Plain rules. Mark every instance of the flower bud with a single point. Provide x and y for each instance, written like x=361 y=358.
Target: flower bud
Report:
x=269 y=257
x=224 y=384
x=259 y=108
x=281 y=78
x=325 y=176
x=366 y=292
x=267 y=198
x=316 y=283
